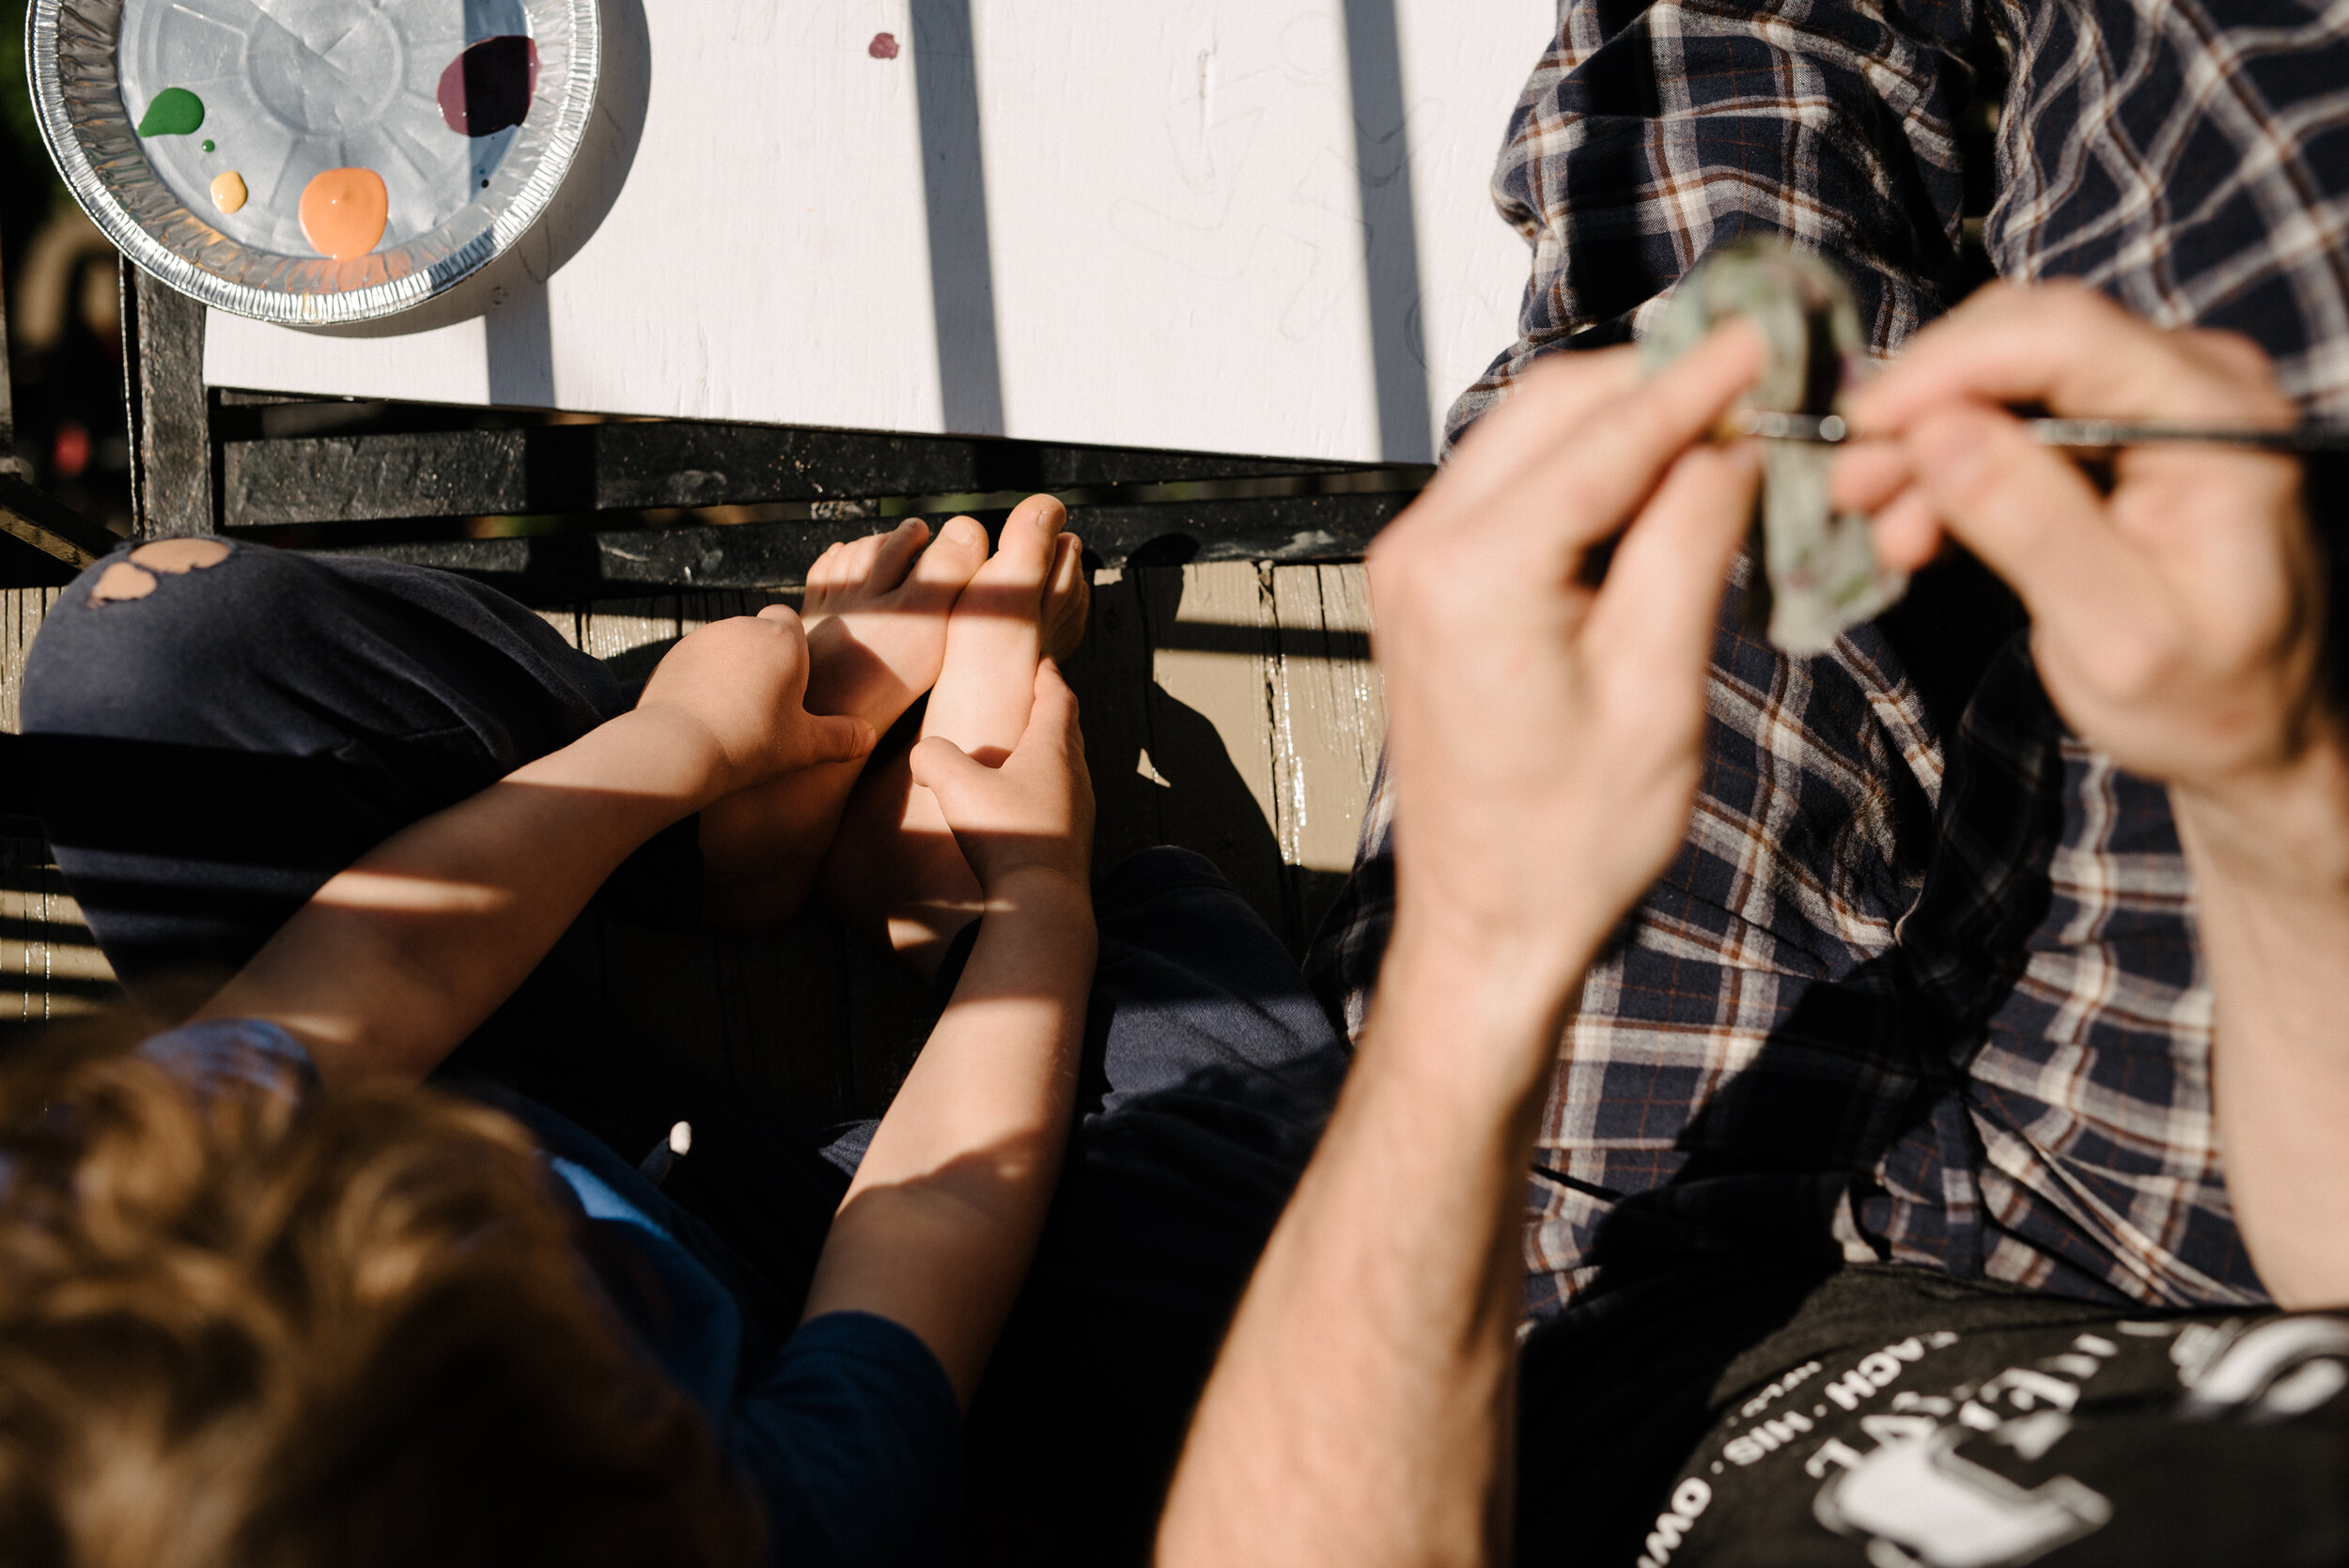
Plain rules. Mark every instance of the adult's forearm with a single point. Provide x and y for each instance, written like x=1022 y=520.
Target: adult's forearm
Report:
x=1361 y=1412
x=2271 y=873
x=400 y=956
x=937 y=1230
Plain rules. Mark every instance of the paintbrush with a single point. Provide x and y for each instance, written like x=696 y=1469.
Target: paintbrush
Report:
x=2079 y=434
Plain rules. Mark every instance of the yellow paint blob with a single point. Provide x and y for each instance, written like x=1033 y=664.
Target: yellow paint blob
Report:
x=228 y=192
x=344 y=211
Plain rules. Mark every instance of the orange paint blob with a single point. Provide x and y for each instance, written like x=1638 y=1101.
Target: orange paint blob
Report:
x=344 y=211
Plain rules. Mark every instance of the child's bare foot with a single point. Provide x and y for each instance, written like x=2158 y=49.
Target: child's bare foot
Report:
x=987 y=683
x=876 y=612
x=894 y=871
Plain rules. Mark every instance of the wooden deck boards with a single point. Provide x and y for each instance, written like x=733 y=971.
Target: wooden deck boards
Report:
x=1228 y=707
x=48 y=966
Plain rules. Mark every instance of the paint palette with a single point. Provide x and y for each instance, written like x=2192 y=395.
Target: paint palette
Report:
x=314 y=161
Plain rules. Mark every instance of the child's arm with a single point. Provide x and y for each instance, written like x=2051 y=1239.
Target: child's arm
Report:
x=396 y=959
x=938 y=1228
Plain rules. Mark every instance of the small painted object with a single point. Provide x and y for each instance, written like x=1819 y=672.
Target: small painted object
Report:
x=174 y=111
x=1820 y=571
x=229 y=192
x=344 y=212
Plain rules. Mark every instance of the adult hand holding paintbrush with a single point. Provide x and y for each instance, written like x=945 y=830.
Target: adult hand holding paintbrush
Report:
x=2193 y=568
x=2178 y=609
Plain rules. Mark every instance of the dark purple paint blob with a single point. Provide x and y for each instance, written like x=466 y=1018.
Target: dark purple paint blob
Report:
x=489 y=87
x=884 y=47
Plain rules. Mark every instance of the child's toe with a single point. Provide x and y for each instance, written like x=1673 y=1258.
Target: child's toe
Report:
x=896 y=550
x=953 y=557
x=824 y=574
x=1029 y=536
x=1067 y=599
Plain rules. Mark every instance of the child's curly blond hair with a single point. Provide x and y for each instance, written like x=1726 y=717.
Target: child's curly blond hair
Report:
x=353 y=1330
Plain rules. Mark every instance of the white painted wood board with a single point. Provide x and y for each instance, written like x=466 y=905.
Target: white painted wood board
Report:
x=1184 y=225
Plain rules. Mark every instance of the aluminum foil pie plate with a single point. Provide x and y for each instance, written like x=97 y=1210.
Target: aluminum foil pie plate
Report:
x=313 y=161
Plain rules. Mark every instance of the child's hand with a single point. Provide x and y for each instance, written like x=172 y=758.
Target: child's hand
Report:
x=1034 y=811
x=740 y=683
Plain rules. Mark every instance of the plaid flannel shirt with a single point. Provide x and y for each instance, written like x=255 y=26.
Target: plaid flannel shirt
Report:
x=2190 y=156
x=1912 y=995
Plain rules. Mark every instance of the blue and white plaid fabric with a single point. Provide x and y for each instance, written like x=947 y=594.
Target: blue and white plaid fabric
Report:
x=1931 y=998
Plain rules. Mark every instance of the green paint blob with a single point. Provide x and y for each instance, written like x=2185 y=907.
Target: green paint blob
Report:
x=208 y=145
x=176 y=111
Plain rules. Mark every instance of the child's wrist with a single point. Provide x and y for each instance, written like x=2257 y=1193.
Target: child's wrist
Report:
x=1041 y=888
x=683 y=749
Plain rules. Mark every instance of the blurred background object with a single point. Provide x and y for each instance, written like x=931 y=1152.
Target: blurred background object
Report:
x=64 y=315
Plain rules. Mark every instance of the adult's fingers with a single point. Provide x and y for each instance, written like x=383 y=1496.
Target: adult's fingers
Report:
x=2232 y=353
x=1875 y=477
x=1552 y=485
x=1907 y=531
x=1866 y=476
x=1549 y=403
x=2072 y=350
x=1621 y=453
x=2029 y=513
x=1488 y=469
x=1655 y=612
x=1574 y=405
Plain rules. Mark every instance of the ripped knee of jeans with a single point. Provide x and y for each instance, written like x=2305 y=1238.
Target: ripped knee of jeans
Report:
x=135 y=576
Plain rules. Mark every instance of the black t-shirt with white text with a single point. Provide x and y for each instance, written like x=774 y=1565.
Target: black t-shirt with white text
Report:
x=1885 y=1416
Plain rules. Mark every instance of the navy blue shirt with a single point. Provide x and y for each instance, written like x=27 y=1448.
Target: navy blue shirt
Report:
x=846 y=1425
